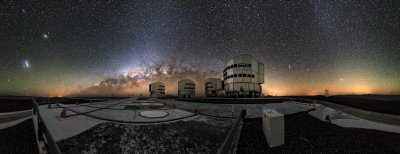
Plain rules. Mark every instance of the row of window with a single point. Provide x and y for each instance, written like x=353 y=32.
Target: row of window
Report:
x=188 y=88
x=237 y=65
x=161 y=89
x=209 y=87
x=208 y=82
x=161 y=86
x=239 y=75
x=189 y=84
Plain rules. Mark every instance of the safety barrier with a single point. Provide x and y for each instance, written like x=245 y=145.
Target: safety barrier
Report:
x=226 y=146
x=50 y=144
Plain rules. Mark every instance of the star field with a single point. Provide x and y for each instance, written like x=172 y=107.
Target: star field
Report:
x=81 y=48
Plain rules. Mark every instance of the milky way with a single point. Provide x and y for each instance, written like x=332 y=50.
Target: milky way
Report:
x=103 y=48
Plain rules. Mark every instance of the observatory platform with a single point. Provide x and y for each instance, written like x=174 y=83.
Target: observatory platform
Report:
x=82 y=117
x=166 y=125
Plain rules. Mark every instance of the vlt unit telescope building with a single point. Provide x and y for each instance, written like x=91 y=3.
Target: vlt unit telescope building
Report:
x=243 y=76
x=157 y=90
x=186 y=88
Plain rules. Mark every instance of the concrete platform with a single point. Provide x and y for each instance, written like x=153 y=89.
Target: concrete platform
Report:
x=84 y=116
x=62 y=128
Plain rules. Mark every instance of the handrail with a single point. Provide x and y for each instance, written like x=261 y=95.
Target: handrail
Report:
x=227 y=144
x=43 y=130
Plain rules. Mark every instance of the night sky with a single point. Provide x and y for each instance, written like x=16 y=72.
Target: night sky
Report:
x=80 y=48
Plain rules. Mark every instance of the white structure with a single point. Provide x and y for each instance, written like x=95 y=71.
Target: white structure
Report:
x=186 y=88
x=273 y=127
x=243 y=76
x=157 y=90
x=326 y=93
x=214 y=87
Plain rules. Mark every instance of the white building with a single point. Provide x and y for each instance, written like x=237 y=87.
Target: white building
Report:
x=243 y=76
x=157 y=90
x=214 y=87
x=186 y=88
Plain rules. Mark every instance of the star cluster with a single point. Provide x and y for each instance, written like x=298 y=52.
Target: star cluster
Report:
x=85 y=48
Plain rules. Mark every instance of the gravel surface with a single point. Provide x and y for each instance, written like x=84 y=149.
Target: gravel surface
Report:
x=200 y=135
x=306 y=134
x=19 y=139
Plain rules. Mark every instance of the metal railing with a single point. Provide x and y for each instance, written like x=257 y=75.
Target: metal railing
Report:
x=50 y=144
x=229 y=140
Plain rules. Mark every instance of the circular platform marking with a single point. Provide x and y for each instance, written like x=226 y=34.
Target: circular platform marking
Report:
x=153 y=114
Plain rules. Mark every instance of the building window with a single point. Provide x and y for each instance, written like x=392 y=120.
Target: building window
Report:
x=235 y=65
x=240 y=75
x=235 y=75
x=252 y=75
